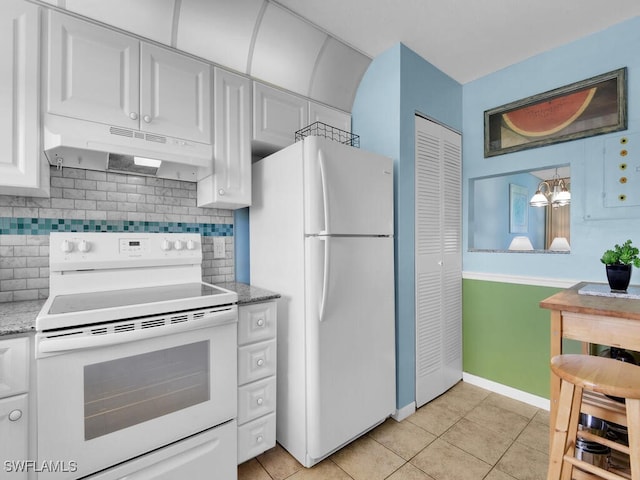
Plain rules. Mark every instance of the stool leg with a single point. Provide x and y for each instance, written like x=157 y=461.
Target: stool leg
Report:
x=560 y=430
x=572 y=434
x=633 y=428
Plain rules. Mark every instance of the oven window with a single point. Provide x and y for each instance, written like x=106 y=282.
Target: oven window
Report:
x=131 y=390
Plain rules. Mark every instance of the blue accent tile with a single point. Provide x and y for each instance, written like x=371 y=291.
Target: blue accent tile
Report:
x=44 y=226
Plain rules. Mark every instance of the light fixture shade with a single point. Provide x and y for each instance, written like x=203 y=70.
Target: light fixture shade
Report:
x=521 y=243
x=539 y=200
x=560 y=244
x=563 y=198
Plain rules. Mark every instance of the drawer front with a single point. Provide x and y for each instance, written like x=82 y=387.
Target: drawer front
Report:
x=256 y=361
x=256 y=437
x=256 y=399
x=256 y=322
x=14 y=366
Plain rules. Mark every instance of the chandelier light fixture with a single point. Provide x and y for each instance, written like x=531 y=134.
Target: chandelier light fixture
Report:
x=554 y=193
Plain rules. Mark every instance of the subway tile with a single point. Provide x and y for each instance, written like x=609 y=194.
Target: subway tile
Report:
x=13 y=240
x=136 y=198
x=86 y=184
x=10 y=285
x=145 y=190
x=96 y=195
x=62 y=203
x=37 y=261
x=38 y=202
x=11 y=201
x=98 y=176
x=106 y=186
x=73 y=193
x=126 y=188
x=6 y=297
x=6 y=211
x=25 y=211
x=25 y=251
x=21 y=295
x=96 y=215
x=62 y=182
x=116 y=197
x=85 y=204
x=37 y=282
x=116 y=178
x=74 y=173
x=6 y=273
x=19 y=273
x=136 y=180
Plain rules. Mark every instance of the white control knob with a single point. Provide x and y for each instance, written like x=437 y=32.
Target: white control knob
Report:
x=15 y=415
x=133 y=116
x=166 y=245
x=191 y=245
x=260 y=362
x=260 y=322
x=178 y=245
x=84 y=246
x=67 y=246
x=147 y=119
x=260 y=401
x=259 y=439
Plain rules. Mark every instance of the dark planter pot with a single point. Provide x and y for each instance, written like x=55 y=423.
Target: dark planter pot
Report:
x=619 y=277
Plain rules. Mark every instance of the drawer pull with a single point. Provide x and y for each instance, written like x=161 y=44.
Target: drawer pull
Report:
x=15 y=415
x=259 y=439
x=260 y=401
x=260 y=322
x=260 y=362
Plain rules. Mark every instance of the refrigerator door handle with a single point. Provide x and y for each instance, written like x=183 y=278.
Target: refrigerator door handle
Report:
x=325 y=278
x=325 y=192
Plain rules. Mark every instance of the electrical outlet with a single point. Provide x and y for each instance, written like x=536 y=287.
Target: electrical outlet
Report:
x=219 y=247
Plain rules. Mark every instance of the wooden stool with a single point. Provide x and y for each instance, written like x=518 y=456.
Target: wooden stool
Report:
x=602 y=375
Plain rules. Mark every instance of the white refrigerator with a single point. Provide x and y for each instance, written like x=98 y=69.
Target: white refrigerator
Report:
x=321 y=235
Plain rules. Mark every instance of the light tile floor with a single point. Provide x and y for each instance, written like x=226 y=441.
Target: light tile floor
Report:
x=468 y=433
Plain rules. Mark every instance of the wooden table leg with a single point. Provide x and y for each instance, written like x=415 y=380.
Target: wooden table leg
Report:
x=556 y=349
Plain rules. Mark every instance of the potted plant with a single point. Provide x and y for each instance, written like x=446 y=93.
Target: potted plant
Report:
x=619 y=262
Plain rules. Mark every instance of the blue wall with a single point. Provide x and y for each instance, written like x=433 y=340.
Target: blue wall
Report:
x=398 y=84
x=593 y=227
x=489 y=213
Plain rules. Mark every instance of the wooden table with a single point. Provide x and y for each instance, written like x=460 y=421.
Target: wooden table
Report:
x=592 y=320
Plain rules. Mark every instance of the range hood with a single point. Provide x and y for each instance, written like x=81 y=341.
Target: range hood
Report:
x=70 y=142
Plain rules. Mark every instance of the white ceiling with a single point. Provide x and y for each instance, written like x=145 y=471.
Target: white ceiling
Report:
x=466 y=39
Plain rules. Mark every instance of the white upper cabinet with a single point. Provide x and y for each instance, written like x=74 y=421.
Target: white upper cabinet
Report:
x=100 y=75
x=175 y=94
x=330 y=116
x=23 y=168
x=229 y=185
x=277 y=116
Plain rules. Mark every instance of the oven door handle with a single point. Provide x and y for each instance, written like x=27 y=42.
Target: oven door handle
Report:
x=68 y=343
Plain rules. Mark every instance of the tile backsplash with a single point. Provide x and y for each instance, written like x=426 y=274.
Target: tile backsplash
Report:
x=86 y=200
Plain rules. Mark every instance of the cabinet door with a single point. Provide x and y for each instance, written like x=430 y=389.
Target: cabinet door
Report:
x=175 y=94
x=277 y=115
x=14 y=437
x=230 y=184
x=438 y=259
x=92 y=72
x=21 y=171
x=14 y=366
x=330 y=116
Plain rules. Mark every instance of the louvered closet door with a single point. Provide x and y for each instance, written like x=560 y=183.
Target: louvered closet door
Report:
x=438 y=256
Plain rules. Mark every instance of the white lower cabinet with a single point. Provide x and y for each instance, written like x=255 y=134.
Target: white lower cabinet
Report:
x=256 y=379
x=14 y=408
x=14 y=437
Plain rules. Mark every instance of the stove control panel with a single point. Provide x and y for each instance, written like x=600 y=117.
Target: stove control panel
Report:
x=103 y=250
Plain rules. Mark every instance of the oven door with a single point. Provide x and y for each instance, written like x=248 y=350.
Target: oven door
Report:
x=110 y=392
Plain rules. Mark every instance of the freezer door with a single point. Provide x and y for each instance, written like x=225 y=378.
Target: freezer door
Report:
x=348 y=191
x=350 y=339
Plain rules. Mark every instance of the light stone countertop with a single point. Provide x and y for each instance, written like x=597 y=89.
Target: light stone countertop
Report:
x=20 y=317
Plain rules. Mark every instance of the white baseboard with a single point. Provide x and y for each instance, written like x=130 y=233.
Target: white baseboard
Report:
x=507 y=391
x=404 y=412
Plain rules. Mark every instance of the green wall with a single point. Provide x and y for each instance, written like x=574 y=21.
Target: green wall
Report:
x=506 y=334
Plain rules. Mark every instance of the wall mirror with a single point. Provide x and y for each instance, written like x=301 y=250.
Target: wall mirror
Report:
x=502 y=219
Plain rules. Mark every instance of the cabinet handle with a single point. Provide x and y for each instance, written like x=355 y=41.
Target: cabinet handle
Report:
x=260 y=322
x=221 y=192
x=133 y=116
x=260 y=401
x=260 y=362
x=259 y=439
x=15 y=415
x=147 y=119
